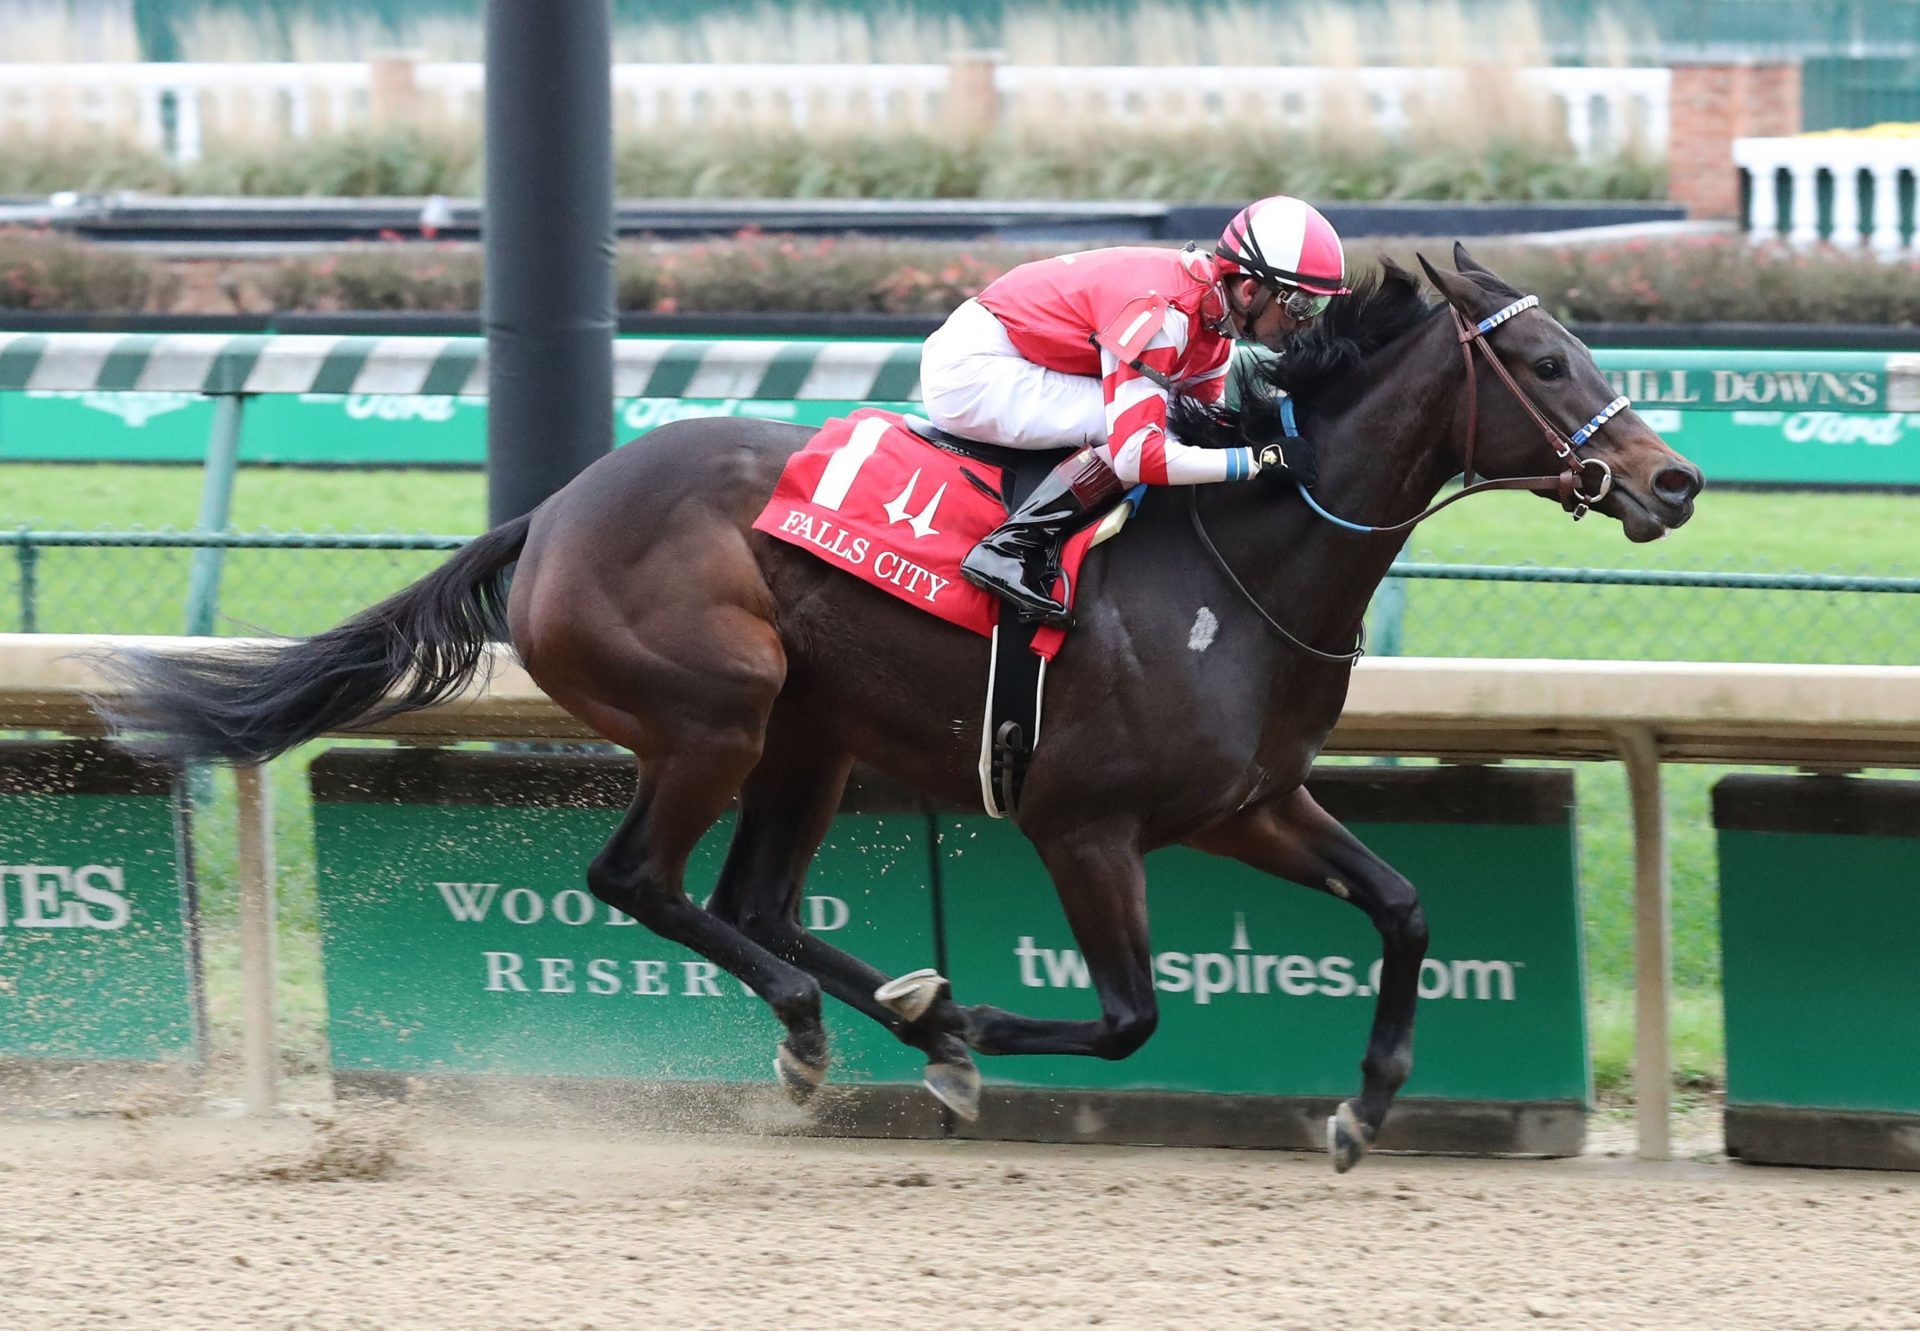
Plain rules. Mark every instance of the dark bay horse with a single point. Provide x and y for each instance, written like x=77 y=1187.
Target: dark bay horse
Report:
x=732 y=665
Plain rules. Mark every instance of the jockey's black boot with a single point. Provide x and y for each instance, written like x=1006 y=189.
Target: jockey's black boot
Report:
x=1020 y=558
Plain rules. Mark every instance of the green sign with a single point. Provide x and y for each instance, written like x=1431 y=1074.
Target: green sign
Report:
x=1819 y=925
x=314 y=428
x=1727 y=380
x=98 y=947
x=1266 y=988
x=1787 y=447
x=1796 y=447
x=460 y=935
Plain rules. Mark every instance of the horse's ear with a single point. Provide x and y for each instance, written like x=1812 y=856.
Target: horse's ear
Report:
x=1466 y=263
x=1459 y=292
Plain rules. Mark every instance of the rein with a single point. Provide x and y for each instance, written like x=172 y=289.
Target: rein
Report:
x=1200 y=529
x=1566 y=486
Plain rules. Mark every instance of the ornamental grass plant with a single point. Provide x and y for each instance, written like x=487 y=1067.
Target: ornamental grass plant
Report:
x=1074 y=161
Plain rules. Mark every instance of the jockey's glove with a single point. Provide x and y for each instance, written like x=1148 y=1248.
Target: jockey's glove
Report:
x=1284 y=464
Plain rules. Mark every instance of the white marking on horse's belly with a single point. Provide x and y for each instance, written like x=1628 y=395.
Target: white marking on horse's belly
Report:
x=1200 y=637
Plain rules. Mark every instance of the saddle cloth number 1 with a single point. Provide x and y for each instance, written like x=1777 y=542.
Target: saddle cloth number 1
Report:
x=836 y=480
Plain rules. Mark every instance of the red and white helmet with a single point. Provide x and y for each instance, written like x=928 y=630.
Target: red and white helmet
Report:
x=1284 y=243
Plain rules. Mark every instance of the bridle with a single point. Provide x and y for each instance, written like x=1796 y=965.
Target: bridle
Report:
x=1566 y=485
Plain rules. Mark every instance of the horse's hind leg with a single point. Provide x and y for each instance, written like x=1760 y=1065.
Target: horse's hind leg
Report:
x=1102 y=885
x=658 y=634
x=1294 y=838
x=641 y=870
x=786 y=808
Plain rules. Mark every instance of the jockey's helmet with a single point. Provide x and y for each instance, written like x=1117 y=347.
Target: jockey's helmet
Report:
x=1285 y=244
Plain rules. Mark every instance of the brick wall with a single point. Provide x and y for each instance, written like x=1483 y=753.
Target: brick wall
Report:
x=1709 y=107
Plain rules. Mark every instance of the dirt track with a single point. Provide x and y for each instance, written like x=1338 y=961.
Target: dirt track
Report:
x=166 y=1223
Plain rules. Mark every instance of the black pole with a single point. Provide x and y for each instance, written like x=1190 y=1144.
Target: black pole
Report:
x=549 y=236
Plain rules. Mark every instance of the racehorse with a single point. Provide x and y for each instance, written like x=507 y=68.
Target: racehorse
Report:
x=734 y=666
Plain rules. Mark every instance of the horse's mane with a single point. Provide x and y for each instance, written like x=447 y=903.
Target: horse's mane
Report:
x=1385 y=306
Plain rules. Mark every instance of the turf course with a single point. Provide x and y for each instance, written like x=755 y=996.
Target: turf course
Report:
x=296 y=592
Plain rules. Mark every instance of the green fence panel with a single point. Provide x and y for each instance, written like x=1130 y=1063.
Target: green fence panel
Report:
x=1787 y=417
x=460 y=939
x=1819 y=917
x=315 y=429
x=1266 y=988
x=99 y=955
x=460 y=936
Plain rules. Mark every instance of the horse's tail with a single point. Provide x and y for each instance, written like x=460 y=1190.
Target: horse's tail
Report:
x=249 y=704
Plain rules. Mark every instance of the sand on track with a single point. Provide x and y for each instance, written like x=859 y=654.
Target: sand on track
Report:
x=386 y=1222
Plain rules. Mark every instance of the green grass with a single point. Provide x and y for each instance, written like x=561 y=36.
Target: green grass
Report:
x=304 y=591
x=1698 y=1049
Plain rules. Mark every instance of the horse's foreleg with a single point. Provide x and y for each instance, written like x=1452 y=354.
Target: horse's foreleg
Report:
x=786 y=808
x=1102 y=885
x=1294 y=838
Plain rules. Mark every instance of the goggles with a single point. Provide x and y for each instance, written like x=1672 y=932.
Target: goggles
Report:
x=1303 y=305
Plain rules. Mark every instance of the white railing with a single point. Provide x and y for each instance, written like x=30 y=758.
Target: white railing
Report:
x=178 y=108
x=137 y=101
x=1850 y=163
x=1601 y=110
x=798 y=95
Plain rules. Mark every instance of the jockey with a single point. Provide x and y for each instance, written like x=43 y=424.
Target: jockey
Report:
x=1083 y=351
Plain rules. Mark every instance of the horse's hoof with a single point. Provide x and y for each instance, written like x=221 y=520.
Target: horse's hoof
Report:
x=1347 y=1138
x=957 y=1086
x=799 y=1078
x=913 y=994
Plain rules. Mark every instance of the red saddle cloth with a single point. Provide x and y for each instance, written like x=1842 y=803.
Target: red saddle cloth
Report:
x=870 y=496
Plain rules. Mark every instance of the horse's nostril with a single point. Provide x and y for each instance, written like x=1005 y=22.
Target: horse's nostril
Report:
x=1677 y=484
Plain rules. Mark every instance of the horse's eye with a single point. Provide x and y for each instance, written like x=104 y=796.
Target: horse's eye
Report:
x=1548 y=367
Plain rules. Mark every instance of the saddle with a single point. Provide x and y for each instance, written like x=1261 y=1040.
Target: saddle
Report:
x=994 y=455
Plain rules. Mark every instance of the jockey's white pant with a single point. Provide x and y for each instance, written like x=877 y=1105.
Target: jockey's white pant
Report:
x=975 y=384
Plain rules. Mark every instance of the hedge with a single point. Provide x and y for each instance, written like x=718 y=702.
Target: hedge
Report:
x=1693 y=280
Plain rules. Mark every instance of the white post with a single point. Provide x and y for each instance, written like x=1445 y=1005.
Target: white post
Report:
x=1652 y=946
x=300 y=111
x=1806 y=203
x=259 y=1045
x=1579 y=111
x=1884 y=232
x=153 y=132
x=1846 y=205
x=1658 y=121
x=186 y=123
x=1391 y=114
x=1756 y=156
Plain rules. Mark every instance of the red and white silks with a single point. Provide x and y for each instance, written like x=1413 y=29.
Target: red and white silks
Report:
x=1078 y=350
